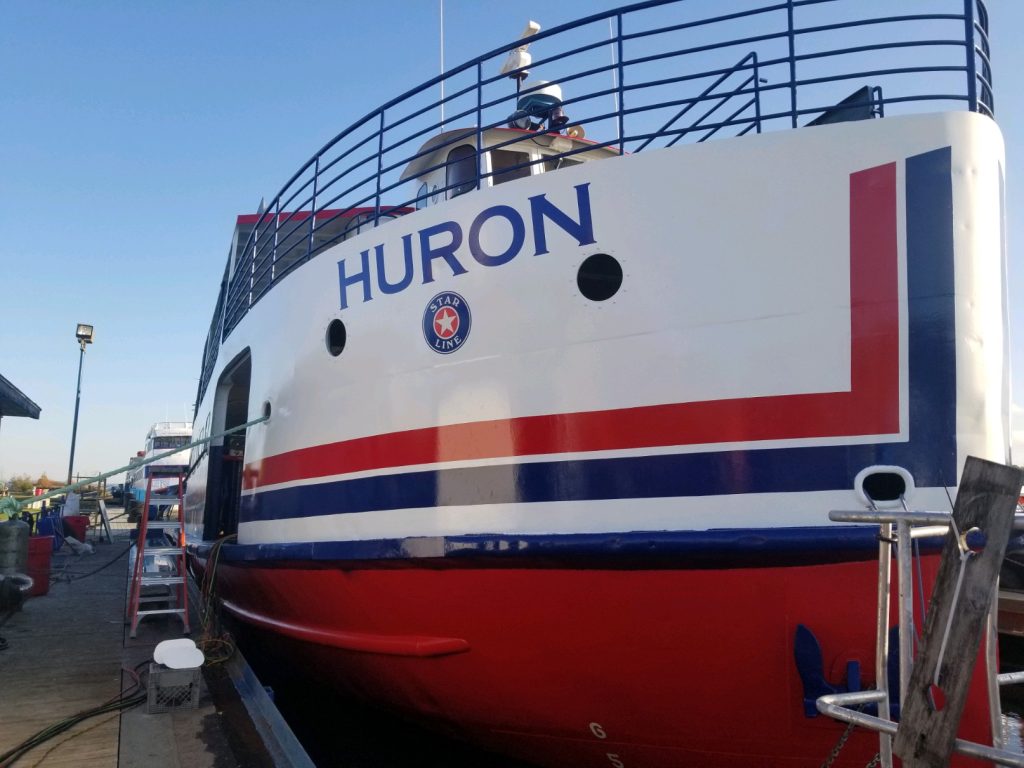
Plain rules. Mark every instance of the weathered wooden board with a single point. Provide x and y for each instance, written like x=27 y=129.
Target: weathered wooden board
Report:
x=987 y=500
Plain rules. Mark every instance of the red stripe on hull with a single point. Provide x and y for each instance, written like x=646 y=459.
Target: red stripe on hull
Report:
x=658 y=667
x=870 y=407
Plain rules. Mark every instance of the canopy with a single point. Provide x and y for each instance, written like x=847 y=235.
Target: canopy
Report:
x=14 y=402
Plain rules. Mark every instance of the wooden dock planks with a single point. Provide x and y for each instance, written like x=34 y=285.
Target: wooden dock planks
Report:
x=64 y=656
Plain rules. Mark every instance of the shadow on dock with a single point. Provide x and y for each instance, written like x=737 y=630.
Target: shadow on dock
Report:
x=68 y=652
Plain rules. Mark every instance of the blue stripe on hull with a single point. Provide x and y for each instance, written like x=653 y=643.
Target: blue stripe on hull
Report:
x=723 y=548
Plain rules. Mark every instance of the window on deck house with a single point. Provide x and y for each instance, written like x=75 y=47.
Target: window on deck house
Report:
x=460 y=175
x=503 y=165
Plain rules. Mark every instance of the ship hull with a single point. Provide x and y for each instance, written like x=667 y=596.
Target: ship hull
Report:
x=578 y=663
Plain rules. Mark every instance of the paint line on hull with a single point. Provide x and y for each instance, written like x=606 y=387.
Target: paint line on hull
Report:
x=362 y=642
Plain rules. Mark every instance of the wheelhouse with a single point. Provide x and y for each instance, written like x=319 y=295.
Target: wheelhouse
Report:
x=450 y=164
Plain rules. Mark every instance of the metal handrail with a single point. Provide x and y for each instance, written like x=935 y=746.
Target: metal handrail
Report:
x=361 y=165
x=136 y=464
x=846 y=707
x=843 y=707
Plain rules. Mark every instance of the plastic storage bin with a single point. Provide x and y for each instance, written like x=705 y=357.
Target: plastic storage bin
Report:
x=77 y=525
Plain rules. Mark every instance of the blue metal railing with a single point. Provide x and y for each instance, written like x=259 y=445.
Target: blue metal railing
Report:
x=648 y=75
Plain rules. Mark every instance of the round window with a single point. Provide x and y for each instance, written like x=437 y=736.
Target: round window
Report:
x=599 y=277
x=336 y=336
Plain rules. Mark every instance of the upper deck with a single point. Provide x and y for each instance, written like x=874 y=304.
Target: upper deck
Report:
x=650 y=75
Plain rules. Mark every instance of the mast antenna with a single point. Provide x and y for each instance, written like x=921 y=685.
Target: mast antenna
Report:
x=615 y=76
x=441 y=2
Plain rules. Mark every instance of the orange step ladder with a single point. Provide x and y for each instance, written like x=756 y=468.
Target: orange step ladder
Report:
x=173 y=578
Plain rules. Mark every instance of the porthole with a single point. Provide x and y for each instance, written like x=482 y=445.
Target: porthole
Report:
x=599 y=277
x=336 y=336
x=883 y=486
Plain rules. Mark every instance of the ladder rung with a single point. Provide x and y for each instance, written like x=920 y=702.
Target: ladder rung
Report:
x=161 y=610
x=163 y=551
x=148 y=581
x=162 y=524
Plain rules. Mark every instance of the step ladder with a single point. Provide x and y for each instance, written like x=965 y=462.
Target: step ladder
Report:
x=175 y=594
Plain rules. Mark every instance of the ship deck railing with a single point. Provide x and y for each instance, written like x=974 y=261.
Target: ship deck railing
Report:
x=644 y=76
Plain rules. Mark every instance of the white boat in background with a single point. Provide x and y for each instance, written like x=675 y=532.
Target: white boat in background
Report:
x=163 y=436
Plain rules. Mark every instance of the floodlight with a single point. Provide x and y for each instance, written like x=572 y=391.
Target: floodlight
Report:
x=84 y=333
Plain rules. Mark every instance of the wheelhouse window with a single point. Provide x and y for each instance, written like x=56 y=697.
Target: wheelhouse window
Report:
x=421 y=196
x=507 y=165
x=166 y=442
x=554 y=163
x=460 y=175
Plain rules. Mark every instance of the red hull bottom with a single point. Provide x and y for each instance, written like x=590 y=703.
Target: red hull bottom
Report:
x=657 y=668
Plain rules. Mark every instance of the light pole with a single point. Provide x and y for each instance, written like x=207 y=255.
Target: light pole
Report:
x=84 y=335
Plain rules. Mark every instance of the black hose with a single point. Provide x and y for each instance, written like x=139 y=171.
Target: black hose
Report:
x=79 y=576
x=9 y=757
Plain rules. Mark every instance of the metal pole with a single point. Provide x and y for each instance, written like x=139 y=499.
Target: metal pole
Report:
x=904 y=565
x=442 y=63
x=620 y=124
x=792 y=61
x=380 y=168
x=882 y=639
x=78 y=398
x=969 y=44
x=312 y=217
x=995 y=707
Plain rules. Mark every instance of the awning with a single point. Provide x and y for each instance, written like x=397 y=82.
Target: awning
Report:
x=14 y=402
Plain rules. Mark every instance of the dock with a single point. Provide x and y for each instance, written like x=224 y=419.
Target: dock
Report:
x=69 y=651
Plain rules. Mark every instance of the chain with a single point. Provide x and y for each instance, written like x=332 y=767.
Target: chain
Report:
x=873 y=763
x=838 y=747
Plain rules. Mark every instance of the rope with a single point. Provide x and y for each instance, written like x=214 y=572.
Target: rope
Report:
x=965 y=555
x=217 y=648
x=90 y=480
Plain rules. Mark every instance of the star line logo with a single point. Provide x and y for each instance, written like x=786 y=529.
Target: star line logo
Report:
x=446 y=322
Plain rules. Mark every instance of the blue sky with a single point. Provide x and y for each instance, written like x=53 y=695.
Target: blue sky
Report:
x=132 y=134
